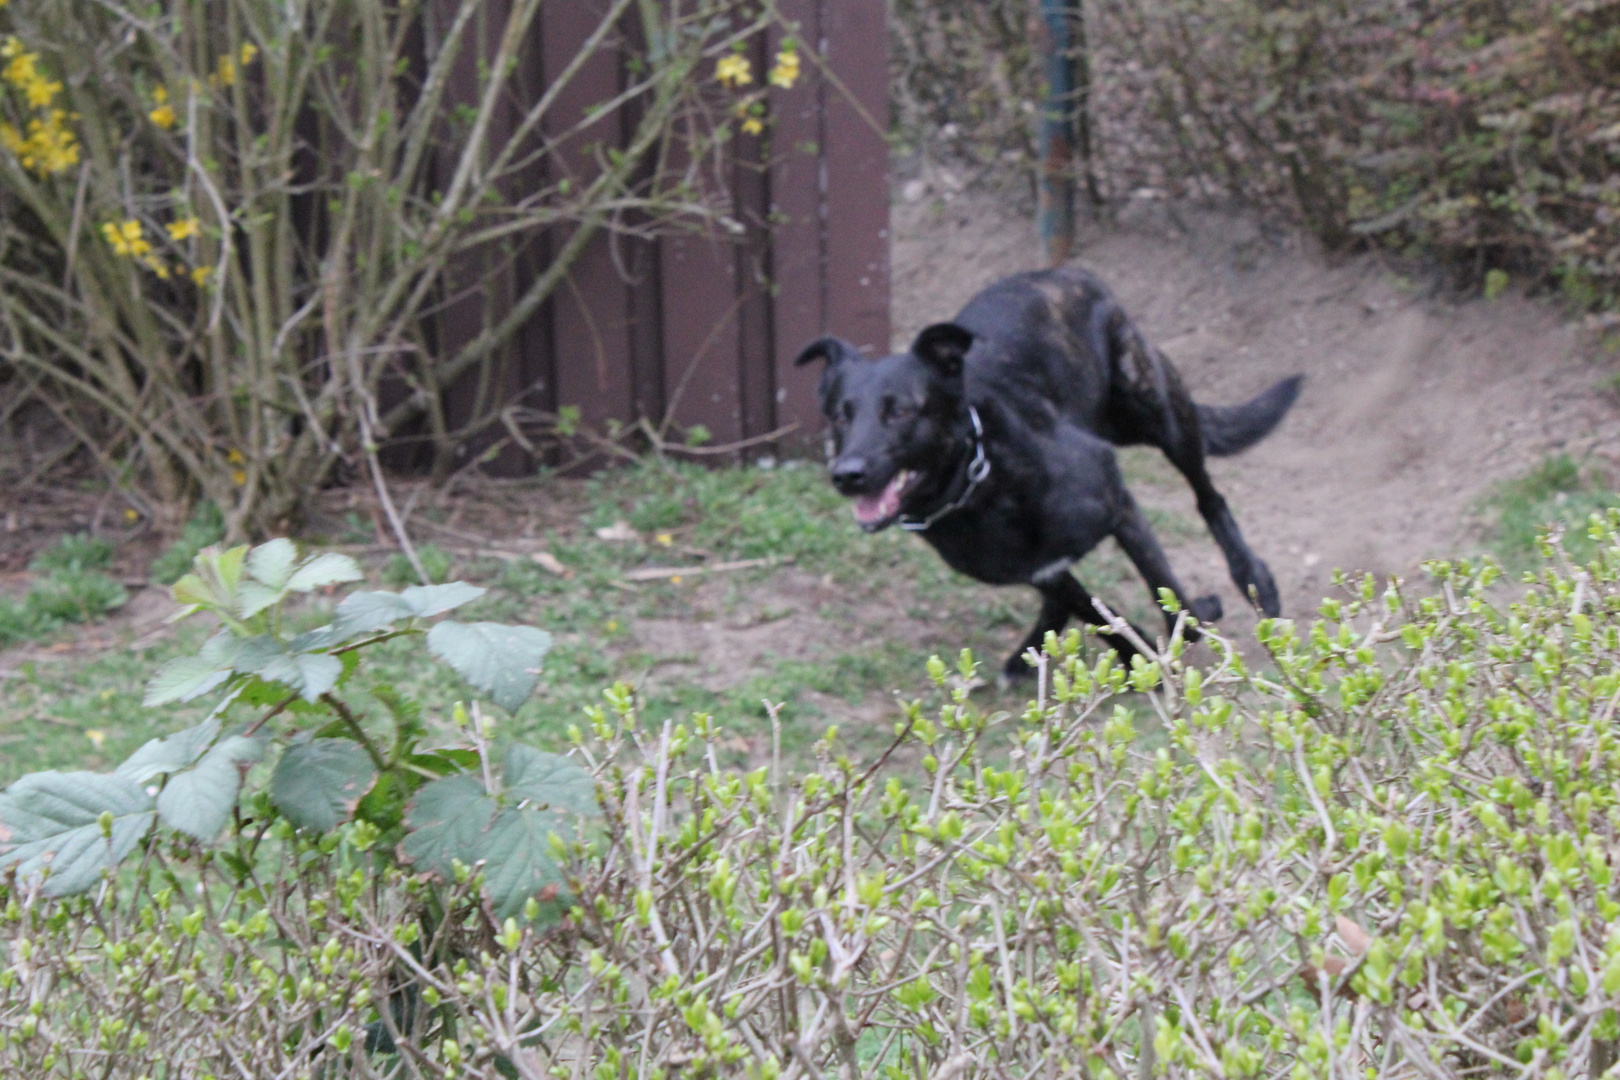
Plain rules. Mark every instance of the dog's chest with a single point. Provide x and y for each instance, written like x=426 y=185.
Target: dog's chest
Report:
x=998 y=545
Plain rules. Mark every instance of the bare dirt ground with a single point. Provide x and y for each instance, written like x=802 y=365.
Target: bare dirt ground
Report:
x=1414 y=407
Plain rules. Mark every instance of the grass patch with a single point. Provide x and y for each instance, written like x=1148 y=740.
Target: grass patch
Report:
x=72 y=587
x=1558 y=493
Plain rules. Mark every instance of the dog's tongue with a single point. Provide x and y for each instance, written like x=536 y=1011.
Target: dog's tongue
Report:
x=885 y=504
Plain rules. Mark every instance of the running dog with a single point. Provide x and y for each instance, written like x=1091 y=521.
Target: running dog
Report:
x=993 y=437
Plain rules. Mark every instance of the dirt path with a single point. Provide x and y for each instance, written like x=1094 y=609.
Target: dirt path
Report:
x=1412 y=409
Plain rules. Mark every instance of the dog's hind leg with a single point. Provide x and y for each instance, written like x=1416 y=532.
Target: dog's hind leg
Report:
x=1062 y=598
x=1150 y=404
x=1249 y=572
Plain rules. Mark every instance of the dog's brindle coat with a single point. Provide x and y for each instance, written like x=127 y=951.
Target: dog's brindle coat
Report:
x=993 y=437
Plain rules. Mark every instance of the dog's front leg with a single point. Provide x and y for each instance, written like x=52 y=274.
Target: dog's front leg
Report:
x=1139 y=543
x=1063 y=598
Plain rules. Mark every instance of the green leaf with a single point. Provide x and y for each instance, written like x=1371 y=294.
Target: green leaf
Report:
x=227 y=567
x=364 y=612
x=254 y=598
x=170 y=753
x=188 y=677
x=272 y=563
x=446 y=821
x=426 y=600
x=518 y=860
x=317 y=784
x=553 y=780
x=309 y=674
x=198 y=801
x=51 y=820
x=328 y=568
x=503 y=661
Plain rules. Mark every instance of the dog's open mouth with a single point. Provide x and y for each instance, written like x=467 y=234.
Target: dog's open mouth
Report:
x=872 y=512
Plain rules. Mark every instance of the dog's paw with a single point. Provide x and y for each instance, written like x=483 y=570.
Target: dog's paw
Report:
x=1014 y=671
x=1207 y=609
x=1263 y=591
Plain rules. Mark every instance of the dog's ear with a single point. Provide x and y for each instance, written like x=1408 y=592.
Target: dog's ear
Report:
x=833 y=350
x=942 y=346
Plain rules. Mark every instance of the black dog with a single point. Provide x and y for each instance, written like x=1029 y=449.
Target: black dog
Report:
x=993 y=437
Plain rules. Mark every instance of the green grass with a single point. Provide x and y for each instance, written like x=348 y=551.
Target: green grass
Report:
x=71 y=587
x=889 y=589
x=1558 y=492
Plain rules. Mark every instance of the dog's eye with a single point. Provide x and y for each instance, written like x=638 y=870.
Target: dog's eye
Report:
x=894 y=410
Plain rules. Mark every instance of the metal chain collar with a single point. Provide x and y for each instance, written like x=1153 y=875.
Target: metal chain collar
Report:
x=978 y=469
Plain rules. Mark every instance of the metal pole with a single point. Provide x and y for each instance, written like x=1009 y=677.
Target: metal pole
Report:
x=1057 y=132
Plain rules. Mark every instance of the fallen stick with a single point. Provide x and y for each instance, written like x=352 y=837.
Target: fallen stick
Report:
x=654 y=573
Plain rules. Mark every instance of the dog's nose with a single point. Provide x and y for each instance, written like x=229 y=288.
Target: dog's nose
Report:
x=848 y=474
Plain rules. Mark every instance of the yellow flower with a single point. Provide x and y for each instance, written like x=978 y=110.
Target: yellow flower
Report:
x=49 y=146
x=249 y=51
x=160 y=93
x=96 y=737
x=235 y=457
x=162 y=116
x=227 y=71
x=665 y=538
x=126 y=238
x=180 y=230
x=129 y=515
x=200 y=275
x=752 y=126
x=41 y=92
x=22 y=71
x=676 y=580
x=238 y=477
x=157 y=266
x=786 y=71
x=734 y=70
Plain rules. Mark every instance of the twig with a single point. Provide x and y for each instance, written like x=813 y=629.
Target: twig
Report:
x=655 y=573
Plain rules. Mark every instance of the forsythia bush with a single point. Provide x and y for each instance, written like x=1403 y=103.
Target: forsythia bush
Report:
x=1387 y=853
x=227 y=228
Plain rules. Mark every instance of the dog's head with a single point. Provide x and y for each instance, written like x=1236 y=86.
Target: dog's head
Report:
x=893 y=422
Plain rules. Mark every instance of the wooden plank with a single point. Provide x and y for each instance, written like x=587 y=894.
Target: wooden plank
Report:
x=642 y=263
x=797 y=244
x=591 y=312
x=856 y=154
x=756 y=377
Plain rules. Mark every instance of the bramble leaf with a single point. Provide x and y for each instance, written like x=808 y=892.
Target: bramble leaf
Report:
x=517 y=853
x=170 y=753
x=317 y=784
x=364 y=612
x=51 y=821
x=309 y=674
x=503 y=661
x=187 y=677
x=446 y=819
x=327 y=568
x=426 y=600
x=272 y=563
x=198 y=801
x=551 y=779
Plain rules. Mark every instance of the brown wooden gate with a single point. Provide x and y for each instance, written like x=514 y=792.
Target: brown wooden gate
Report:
x=703 y=329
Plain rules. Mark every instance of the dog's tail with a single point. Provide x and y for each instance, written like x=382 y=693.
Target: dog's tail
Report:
x=1230 y=429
